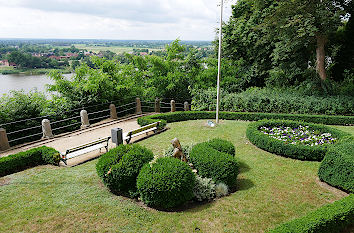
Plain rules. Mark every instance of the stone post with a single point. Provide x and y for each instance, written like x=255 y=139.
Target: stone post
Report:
x=84 y=119
x=138 y=106
x=173 y=106
x=46 y=129
x=157 y=105
x=4 y=142
x=113 y=111
x=186 y=106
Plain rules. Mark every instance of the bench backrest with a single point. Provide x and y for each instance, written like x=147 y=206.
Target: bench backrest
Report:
x=87 y=145
x=135 y=131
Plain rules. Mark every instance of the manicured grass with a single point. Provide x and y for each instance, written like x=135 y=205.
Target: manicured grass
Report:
x=271 y=190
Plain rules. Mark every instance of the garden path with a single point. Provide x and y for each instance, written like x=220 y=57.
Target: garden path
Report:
x=68 y=140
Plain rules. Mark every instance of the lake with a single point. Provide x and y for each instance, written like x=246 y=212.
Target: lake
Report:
x=10 y=82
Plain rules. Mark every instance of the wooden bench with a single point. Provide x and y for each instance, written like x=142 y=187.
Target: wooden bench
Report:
x=84 y=148
x=136 y=132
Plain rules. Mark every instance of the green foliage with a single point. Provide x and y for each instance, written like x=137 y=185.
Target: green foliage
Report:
x=167 y=183
x=296 y=151
x=245 y=116
x=337 y=167
x=27 y=159
x=185 y=149
x=334 y=217
x=119 y=168
x=222 y=146
x=211 y=163
x=274 y=101
x=221 y=190
x=204 y=189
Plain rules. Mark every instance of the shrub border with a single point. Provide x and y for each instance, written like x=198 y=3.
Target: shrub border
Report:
x=246 y=116
x=302 y=152
x=333 y=217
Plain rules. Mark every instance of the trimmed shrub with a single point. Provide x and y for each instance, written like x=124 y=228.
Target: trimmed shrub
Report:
x=27 y=159
x=222 y=146
x=245 y=116
x=337 y=167
x=211 y=163
x=167 y=183
x=297 y=151
x=204 y=189
x=273 y=100
x=119 y=168
x=330 y=218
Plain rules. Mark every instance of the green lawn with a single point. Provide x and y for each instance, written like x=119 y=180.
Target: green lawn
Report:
x=271 y=189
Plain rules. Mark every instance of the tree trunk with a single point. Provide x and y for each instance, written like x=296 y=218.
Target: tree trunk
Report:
x=320 y=56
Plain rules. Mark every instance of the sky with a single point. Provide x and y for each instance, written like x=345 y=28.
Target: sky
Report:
x=112 y=19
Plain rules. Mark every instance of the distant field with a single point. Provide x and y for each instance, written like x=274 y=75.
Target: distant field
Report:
x=115 y=49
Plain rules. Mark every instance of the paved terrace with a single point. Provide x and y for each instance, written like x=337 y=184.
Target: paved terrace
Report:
x=68 y=140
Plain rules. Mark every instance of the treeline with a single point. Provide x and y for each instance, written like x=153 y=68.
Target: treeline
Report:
x=26 y=60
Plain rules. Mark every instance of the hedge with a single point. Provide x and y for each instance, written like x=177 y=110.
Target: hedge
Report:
x=337 y=167
x=246 y=116
x=301 y=152
x=215 y=164
x=273 y=100
x=330 y=218
x=119 y=167
x=167 y=183
x=27 y=159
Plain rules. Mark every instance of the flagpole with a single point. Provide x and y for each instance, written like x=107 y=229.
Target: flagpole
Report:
x=219 y=65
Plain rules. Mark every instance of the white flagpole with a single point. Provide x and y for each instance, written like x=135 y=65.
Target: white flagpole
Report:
x=219 y=65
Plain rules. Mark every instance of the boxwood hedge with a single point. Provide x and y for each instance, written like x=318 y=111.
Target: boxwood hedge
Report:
x=330 y=218
x=27 y=159
x=119 y=167
x=337 y=167
x=246 y=116
x=210 y=161
x=167 y=183
x=302 y=152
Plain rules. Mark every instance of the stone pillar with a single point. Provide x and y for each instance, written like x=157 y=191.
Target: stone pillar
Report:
x=84 y=119
x=46 y=129
x=113 y=111
x=173 y=106
x=157 y=105
x=4 y=142
x=138 y=106
x=186 y=106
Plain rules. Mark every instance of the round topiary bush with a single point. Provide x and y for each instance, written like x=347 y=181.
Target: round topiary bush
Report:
x=119 y=167
x=222 y=146
x=215 y=164
x=337 y=167
x=298 y=140
x=167 y=183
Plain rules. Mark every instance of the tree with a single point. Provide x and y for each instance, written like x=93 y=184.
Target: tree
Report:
x=310 y=21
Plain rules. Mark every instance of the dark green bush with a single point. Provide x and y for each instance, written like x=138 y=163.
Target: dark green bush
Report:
x=302 y=152
x=222 y=146
x=245 y=116
x=330 y=218
x=27 y=159
x=337 y=167
x=120 y=167
x=274 y=101
x=211 y=163
x=167 y=183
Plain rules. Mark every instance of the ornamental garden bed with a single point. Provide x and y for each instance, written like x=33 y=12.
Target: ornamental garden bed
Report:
x=209 y=171
x=298 y=140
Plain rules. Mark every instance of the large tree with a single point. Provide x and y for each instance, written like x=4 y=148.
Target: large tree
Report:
x=310 y=21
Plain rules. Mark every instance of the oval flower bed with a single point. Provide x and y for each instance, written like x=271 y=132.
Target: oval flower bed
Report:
x=293 y=139
x=299 y=135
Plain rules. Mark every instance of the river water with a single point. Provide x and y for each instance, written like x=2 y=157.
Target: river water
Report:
x=10 y=82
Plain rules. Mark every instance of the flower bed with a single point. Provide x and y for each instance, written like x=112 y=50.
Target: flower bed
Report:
x=299 y=140
x=299 y=135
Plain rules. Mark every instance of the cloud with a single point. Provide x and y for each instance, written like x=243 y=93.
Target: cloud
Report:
x=111 y=19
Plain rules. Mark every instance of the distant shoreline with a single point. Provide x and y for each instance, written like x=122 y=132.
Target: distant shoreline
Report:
x=32 y=71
